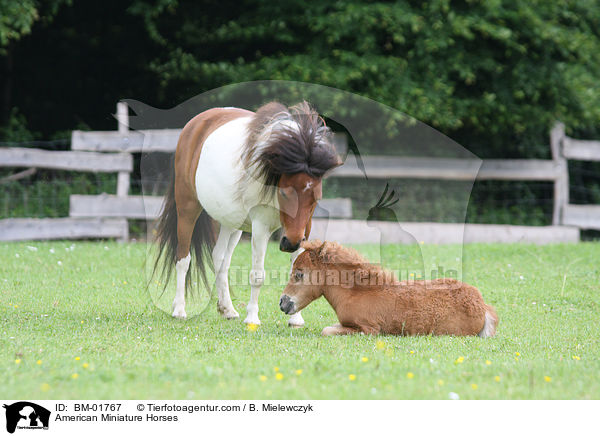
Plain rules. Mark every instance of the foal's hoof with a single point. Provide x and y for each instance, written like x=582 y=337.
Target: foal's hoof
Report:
x=179 y=312
x=296 y=321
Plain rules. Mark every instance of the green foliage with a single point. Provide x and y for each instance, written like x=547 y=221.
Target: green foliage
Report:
x=493 y=71
x=47 y=193
x=15 y=129
x=93 y=305
x=17 y=17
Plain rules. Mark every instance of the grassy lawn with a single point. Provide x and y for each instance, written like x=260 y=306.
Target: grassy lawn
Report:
x=78 y=323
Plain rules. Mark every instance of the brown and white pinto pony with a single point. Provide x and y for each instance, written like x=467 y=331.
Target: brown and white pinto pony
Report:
x=370 y=300
x=247 y=171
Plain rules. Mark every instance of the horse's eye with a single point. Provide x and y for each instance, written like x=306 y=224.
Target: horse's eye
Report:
x=298 y=275
x=282 y=192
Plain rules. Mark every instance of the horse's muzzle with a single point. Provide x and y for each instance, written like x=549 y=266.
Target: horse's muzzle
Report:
x=286 y=245
x=286 y=304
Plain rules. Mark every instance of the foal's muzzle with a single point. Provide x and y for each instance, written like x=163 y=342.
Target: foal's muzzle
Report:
x=286 y=304
x=286 y=245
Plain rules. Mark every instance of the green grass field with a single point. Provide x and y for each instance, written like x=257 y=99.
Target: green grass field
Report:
x=78 y=323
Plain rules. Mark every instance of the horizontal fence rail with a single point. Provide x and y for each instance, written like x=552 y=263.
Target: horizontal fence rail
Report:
x=160 y=140
x=25 y=229
x=149 y=207
x=66 y=160
x=578 y=149
x=451 y=169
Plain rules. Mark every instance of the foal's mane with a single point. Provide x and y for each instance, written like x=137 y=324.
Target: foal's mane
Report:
x=337 y=256
x=284 y=140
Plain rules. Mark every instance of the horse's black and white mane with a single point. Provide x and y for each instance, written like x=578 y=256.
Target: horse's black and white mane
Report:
x=290 y=140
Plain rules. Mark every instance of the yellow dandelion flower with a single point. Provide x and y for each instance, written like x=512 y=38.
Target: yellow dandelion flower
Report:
x=497 y=378
x=252 y=327
x=488 y=362
x=81 y=322
x=380 y=345
x=17 y=361
x=78 y=358
x=547 y=379
x=45 y=387
x=440 y=382
x=279 y=376
x=16 y=306
x=85 y=365
x=517 y=353
x=276 y=368
x=351 y=377
x=39 y=362
x=474 y=386
x=298 y=371
x=576 y=358
x=421 y=242
x=75 y=376
x=410 y=375
x=412 y=351
x=263 y=378
x=459 y=360
x=124 y=282
x=364 y=359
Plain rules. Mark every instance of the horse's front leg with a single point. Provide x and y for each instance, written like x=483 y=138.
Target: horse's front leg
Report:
x=260 y=239
x=296 y=319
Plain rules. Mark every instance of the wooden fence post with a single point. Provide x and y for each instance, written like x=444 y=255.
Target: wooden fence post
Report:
x=561 y=184
x=123 y=120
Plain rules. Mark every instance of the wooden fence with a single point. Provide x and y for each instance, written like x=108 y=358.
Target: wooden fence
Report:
x=112 y=152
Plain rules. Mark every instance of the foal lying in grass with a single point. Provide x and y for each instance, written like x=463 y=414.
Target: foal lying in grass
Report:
x=370 y=300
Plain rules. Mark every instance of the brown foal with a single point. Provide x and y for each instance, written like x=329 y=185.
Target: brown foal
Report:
x=368 y=299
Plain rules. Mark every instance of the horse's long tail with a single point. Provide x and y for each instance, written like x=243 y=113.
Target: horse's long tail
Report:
x=202 y=242
x=490 y=323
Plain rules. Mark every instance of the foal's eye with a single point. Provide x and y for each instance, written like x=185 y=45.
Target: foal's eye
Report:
x=282 y=192
x=298 y=275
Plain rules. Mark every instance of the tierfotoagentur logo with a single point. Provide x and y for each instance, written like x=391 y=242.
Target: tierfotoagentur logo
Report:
x=26 y=415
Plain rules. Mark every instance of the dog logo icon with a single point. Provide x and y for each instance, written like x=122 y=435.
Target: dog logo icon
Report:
x=26 y=415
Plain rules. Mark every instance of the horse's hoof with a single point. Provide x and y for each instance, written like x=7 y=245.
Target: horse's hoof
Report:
x=230 y=314
x=227 y=312
x=179 y=312
x=252 y=320
x=295 y=326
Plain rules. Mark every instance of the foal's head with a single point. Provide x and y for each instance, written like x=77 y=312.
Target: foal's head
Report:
x=293 y=150
x=305 y=284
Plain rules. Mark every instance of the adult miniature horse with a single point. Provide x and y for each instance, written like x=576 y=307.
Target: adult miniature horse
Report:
x=253 y=172
x=370 y=300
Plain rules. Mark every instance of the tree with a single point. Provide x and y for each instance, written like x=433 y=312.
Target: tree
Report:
x=492 y=74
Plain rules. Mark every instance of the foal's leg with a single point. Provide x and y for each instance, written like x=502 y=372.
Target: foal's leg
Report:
x=296 y=319
x=260 y=239
x=338 y=329
x=186 y=220
x=222 y=252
